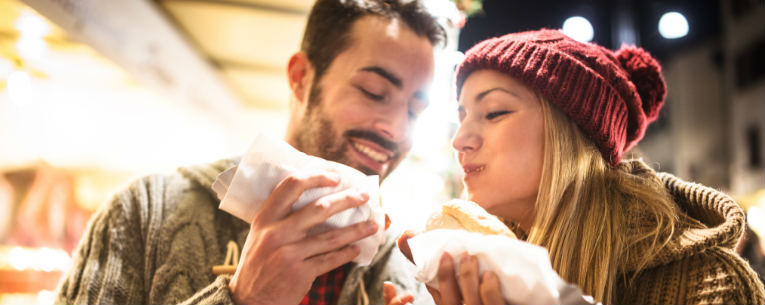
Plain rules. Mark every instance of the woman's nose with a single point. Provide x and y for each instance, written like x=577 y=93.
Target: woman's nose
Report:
x=466 y=139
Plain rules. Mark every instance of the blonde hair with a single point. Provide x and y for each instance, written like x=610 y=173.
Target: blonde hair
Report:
x=584 y=207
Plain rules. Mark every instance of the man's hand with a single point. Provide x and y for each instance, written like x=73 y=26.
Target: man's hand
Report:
x=279 y=262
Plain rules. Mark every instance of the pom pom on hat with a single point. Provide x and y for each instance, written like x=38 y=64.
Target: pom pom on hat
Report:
x=644 y=71
x=611 y=96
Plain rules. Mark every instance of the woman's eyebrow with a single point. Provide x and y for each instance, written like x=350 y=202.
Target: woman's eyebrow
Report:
x=482 y=94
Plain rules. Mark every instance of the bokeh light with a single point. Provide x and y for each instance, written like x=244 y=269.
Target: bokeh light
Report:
x=673 y=25
x=578 y=28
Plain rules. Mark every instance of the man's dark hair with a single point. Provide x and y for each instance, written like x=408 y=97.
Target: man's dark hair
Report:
x=327 y=33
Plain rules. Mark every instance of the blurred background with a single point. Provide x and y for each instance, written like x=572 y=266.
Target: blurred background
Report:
x=94 y=93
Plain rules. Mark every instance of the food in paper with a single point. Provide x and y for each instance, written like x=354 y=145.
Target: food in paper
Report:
x=467 y=215
x=244 y=188
x=463 y=227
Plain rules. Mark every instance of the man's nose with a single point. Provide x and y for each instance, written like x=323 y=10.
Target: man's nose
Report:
x=394 y=126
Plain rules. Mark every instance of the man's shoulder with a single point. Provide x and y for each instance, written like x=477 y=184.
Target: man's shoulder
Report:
x=186 y=191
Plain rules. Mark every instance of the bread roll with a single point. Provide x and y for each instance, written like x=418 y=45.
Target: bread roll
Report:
x=469 y=216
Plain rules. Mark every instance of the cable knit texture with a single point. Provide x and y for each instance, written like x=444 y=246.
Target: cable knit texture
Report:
x=156 y=243
x=699 y=265
x=611 y=96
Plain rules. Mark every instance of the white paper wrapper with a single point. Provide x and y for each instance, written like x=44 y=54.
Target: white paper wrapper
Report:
x=524 y=270
x=243 y=189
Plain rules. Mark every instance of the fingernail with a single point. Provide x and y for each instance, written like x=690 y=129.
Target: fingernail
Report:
x=354 y=248
x=488 y=276
x=363 y=195
x=444 y=258
x=332 y=176
x=465 y=259
x=371 y=226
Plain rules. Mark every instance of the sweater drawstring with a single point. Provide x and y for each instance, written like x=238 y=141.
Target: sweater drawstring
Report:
x=362 y=297
x=232 y=260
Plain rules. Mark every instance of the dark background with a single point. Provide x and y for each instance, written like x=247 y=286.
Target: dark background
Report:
x=505 y=16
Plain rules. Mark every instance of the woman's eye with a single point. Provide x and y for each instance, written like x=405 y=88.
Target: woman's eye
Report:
x=495 y=114
x=371 y=95
x=460 y=115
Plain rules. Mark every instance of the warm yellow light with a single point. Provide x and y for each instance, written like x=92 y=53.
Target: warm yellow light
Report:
x=17 y=298
x=31 y=47
x=45 y=297
x=41 y=259
x=48 y=259
x=32 y=25
x=18 y=258
x=6 y=67
x=755 y=216
x=19 y=86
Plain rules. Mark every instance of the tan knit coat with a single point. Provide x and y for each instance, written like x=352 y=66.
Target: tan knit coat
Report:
x=699 y=266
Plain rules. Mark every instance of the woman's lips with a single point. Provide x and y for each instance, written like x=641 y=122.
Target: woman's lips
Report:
x=472 y=170
x=468 y=169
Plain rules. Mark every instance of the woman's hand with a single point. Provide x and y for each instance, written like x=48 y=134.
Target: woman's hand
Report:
x=393 y=298
x=467 y=288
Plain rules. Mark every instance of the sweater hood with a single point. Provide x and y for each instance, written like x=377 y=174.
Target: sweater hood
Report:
x=707 y=219
x=205 y=174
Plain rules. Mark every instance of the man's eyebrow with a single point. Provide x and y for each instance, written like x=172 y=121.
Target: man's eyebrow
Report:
x=393 y=79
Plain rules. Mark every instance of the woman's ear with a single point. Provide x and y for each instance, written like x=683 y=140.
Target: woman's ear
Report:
x=300 y=76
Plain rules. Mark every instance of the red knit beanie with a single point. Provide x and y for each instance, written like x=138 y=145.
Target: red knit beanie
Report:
x=611 y=96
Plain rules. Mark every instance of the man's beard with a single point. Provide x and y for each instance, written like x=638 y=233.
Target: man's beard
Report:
x=317 y=136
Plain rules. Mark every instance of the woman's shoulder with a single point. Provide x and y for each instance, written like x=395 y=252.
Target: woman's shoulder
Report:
x=717 y=275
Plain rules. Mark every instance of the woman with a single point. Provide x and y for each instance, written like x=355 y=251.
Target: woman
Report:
x=545 y=121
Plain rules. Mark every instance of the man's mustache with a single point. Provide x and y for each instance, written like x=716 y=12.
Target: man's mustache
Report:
x=374 y=137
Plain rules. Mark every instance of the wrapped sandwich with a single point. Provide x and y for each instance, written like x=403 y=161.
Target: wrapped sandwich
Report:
x=459 y=214
x=463 y=227
x=469 y=216
x=244 y=189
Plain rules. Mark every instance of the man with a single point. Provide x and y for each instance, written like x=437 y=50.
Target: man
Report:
x=357 y=86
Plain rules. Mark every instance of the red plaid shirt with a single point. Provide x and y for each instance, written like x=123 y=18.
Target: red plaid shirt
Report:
x=326 y=288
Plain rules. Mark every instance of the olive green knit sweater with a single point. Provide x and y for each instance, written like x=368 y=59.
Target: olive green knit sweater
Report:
x=156 y=243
